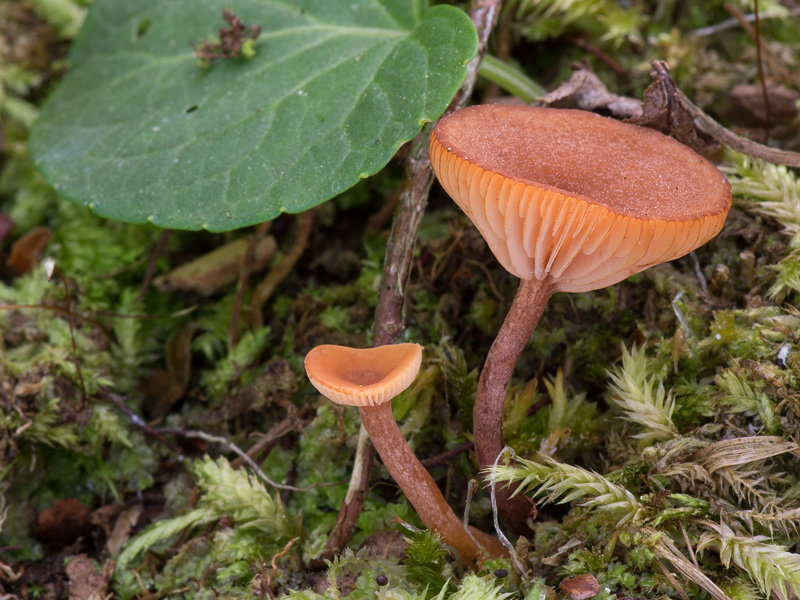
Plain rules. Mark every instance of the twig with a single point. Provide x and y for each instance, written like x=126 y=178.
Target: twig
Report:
x=389 y=320
x=244 y=275
x=598 y=53
x=731 y=23
x=57 y=309
x=158 y=432
x=379 y=220
x=774 y=61
x=278 y=430
x=446 y=456
x=84 y=399
x=274 y=563
x=710 y=127
x=158 y=251
x=761 y=77
x=689 y=545
x=273 y=279
x=489 y=278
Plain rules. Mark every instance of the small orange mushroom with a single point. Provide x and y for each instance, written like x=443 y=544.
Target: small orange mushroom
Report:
x=568 y=201
x=369 y=379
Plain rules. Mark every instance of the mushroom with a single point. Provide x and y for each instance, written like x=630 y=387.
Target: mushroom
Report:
x=369 y=379
x=568 y=201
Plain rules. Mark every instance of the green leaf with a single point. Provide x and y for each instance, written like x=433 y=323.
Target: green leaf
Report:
x=140 y=131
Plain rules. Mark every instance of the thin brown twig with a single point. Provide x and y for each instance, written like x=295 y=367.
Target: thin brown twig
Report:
x=275 y=558
x=598 y=53
x=446 y=456
x=244 y=275
x=380 y=219
x=389 y=319
x=266 y=441
x=202 y=435
x=57 y=309
x=489 y=278
x=774 y=60
x=158 y=251
x=78 y=370
x=762 y=79
x=689 y=545
x=710 y=127
x=273 y=279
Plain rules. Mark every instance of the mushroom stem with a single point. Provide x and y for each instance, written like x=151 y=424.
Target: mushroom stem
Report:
x=420 y=488
x=520 y=322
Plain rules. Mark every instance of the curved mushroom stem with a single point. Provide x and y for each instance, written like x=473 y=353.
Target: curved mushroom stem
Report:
x=420 y=488
x=487 y=415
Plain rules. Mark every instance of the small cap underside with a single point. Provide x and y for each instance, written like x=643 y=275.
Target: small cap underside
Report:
x=646 y=214
x=363 y=377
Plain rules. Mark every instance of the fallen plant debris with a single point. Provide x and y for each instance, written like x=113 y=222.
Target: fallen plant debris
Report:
x=234 y=41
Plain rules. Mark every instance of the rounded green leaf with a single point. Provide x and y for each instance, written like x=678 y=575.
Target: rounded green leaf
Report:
x=139 y=131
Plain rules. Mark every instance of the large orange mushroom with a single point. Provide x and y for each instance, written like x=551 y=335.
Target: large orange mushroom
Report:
x=368 y=379
x=568 y=201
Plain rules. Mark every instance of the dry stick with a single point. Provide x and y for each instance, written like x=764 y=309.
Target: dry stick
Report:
x=398 y=262
x=446 y=456
x=60 y=310
x=216 y=439
x=84 y=399
x=731 y=23
x=380 y=219
x=598 y=53
x=761 y=75
x=270 y=283
x=710 y=127
x=773 y=59
x=158 y=251
x=281 y=428
x=244 y=275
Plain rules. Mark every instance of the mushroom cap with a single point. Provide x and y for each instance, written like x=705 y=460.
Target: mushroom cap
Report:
x=574 y=198
x=363 y=377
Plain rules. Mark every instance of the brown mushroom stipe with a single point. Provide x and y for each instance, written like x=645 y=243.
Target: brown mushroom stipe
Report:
x=568 y=201
x=369 y=379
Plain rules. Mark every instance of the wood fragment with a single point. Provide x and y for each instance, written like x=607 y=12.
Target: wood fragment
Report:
x=674 y=98
x=273 y=279
x=211 y=272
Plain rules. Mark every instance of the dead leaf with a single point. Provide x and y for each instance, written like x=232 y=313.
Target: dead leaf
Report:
x=26 y=389
x=664 y=111
x=215 y=270
x=85 y=583
x=708 y=126
x=26 y=252
x=161 y=391
x=122 y=529
x=62 y=524
x=746 y=106
x=585 y=91
x=580 y=587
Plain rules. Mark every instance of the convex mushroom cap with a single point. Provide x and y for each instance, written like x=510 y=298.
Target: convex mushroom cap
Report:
x=575 y=198
x=363 y=377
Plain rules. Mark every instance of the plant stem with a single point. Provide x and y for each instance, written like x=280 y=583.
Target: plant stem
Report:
x=420 y=488
x=520 y=322
x=510 y=79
